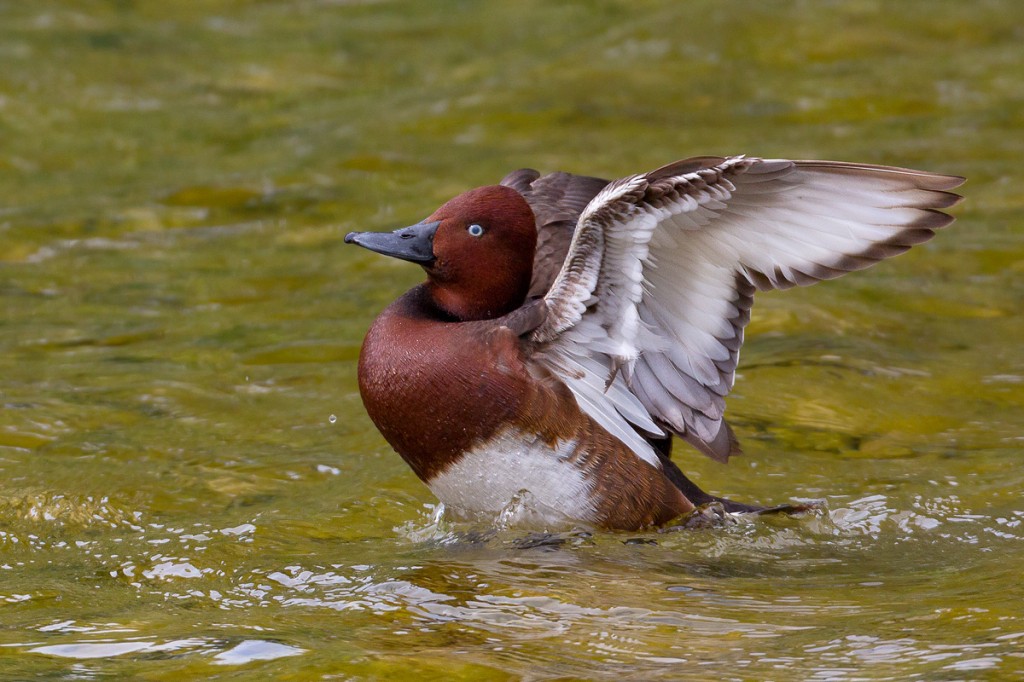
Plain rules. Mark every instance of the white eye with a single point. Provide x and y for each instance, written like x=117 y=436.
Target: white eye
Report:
x=475 y=230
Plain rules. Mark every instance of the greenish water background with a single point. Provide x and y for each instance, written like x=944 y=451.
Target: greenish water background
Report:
x=189 y=486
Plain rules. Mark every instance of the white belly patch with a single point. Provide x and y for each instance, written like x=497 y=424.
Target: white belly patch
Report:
x=517 y=467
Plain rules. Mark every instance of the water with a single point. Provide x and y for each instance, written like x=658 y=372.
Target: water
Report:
x=189 y=487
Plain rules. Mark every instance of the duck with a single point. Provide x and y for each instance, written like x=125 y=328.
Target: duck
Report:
x=570 y=327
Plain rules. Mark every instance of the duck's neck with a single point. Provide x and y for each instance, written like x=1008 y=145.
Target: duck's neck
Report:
x=477 y=301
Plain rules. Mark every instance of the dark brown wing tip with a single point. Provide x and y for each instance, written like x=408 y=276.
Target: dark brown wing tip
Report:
x=930 y=219
x=721 y=448
x=945 y=199
x=946 y=182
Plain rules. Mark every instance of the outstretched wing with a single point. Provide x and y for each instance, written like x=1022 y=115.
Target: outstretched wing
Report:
x=646 y=316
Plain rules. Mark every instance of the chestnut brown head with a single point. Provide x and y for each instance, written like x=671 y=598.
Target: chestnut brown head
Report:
x=477 y=250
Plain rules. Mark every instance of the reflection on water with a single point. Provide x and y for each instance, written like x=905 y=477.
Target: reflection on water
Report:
x=797 y=585
x=240 y=654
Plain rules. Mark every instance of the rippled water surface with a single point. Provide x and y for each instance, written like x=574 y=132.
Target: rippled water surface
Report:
x=189 y=487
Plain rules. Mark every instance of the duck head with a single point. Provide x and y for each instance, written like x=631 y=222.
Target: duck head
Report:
x=477 y=251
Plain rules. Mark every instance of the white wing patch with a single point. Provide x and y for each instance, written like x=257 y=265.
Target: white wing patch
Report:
x=578 y=278
x=657 y=286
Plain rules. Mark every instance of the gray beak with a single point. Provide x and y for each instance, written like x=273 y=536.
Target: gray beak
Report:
x=414 y=243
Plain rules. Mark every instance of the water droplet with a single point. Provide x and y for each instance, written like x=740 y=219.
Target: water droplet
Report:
x=332 y=419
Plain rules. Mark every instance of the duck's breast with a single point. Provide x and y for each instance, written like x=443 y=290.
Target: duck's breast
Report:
x=483 y=425
x=437 y=389
x=519 y=472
